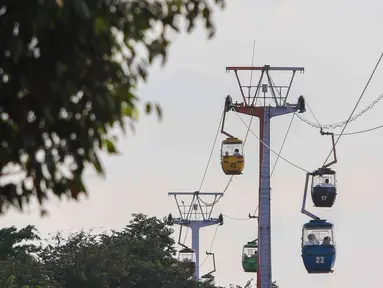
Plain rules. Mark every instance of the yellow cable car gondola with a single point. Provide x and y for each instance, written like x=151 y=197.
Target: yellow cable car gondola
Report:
x=232 y=158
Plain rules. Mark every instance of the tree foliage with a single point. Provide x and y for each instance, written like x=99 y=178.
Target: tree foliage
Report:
x=68 y=74
x=19 y=266
x=14 y=243
x=139 y=256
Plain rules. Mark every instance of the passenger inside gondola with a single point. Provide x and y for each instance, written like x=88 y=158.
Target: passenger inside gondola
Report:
x=326 y=240
x=312 y=240
x=327 y=183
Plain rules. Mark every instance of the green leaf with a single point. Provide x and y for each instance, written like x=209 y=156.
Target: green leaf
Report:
x=148 y=108
x=99 y=26
x=159 y=111
x=110 y=146
x=142 y=72
x=96 y=163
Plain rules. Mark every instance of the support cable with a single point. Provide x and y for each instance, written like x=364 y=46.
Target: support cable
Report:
x=211 y=246
x=353 y=110
x=186 y=234
x=251 y=119
x=361 y=131
x=211 y=152
x=342 y=123
x=291 y=163
x=244 y=142
x=251 y=74
x=283 y=143
x=344 y=134
x=242 y=219
x=205 y=173
x=275 y=164
x=312 y=113
x=256 y=209
x=236 y=218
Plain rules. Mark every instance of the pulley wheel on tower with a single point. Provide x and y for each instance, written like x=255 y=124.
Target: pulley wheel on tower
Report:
x=250 y=257
x=232 y=157
x=318 y=246
x=186 y=257
x=323 y=187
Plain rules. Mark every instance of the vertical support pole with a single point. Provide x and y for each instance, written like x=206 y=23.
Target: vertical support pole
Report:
x=195 y=246
x=264 y=275
x=202 y=219
x=261 y=121
x=264 y=204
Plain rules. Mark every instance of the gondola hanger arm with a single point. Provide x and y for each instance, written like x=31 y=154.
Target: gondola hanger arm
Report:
x=333 y=149
x=227 y=108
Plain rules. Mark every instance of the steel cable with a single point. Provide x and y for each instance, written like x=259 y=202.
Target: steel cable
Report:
x=356 y=105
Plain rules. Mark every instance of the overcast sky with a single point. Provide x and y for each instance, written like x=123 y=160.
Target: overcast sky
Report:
x=338 y=43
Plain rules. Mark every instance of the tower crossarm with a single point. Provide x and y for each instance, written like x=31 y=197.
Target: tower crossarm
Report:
x=202 y=223
x=193 y=207
x=278 y=98
x=264 y=68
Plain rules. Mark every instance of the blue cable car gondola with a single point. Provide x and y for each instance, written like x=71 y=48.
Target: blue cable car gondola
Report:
x=318 y=246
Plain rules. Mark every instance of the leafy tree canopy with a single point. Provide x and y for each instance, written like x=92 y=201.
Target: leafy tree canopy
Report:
x=68 y=74
x=139 y=256
x=19 y=266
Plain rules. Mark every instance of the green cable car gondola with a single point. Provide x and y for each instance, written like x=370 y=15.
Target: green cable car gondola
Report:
x=250 y=256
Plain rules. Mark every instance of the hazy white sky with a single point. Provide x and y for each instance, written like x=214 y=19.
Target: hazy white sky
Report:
x=338 y=43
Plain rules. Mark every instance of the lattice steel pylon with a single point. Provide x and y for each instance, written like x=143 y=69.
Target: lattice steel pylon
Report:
x=270 y=106
x=195 y=215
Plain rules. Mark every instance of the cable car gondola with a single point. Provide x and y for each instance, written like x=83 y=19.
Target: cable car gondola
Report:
x=318 y=246
x=187 y=260
x=323 y=187
x=250 y=257
x=232 y=158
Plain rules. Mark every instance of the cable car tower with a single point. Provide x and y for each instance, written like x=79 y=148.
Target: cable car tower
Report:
x=195 y=216
x=269 y=106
